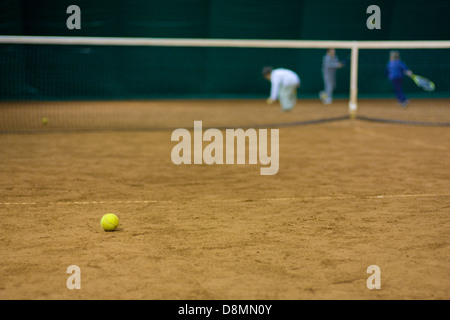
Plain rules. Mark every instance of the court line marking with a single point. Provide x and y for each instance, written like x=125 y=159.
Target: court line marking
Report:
x=81 y=202
x=355 y=197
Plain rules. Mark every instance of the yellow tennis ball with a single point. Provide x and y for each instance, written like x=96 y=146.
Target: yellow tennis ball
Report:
x=109 y=222
x=44 y=121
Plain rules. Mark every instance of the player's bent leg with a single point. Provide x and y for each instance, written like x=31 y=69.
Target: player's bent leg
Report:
x=399 y=94
x=288 y=98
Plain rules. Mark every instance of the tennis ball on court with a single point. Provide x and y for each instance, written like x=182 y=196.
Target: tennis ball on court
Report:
x=44 y=121
x=109 y=222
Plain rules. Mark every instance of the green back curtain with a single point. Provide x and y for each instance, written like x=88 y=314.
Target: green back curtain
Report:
x=94 y=72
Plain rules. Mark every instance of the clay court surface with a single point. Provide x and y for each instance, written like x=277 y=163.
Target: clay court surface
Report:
x=349 y=194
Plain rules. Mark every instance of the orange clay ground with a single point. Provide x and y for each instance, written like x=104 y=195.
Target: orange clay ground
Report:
x=348 y=194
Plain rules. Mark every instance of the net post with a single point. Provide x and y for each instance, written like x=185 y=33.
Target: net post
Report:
x=352 y=107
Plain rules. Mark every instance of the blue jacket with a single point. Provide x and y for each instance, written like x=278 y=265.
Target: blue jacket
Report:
x=395 y=69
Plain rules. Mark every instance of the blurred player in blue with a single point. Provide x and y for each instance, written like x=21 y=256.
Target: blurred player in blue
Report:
x=284 y=84
x=396 y=69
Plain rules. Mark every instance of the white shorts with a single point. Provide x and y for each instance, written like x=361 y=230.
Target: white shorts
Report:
x=288 y=97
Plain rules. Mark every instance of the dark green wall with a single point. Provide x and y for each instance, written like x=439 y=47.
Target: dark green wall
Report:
x=81 y=72
x=261 y=19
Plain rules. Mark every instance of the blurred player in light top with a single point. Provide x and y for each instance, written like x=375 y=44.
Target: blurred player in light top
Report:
x=284 y=84
x=395 y=71
x=330 y=63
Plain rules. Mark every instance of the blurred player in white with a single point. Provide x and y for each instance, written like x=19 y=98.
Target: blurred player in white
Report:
x=284 y=84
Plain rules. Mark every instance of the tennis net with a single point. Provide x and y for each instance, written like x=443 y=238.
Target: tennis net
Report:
x=70 y=83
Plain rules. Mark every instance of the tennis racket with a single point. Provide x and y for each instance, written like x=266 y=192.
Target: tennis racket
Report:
x=422 y=82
